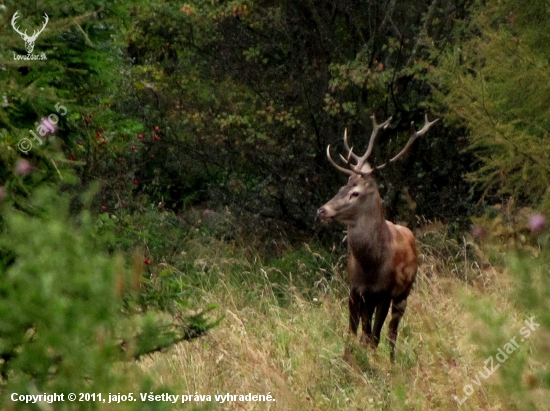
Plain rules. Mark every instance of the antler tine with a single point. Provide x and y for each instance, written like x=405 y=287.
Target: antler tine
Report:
x=426 y=127
x=13 y=22
x=350 y=150
x=375 y=129
x=342 y=169
x=413 y=136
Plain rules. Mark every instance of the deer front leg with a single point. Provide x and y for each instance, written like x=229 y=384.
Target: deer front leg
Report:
x=367 y=310
x=354 y=311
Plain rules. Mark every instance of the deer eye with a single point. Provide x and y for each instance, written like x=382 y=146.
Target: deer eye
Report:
x=355 y=194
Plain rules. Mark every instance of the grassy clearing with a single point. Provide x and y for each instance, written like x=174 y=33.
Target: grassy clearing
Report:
x=285 y=333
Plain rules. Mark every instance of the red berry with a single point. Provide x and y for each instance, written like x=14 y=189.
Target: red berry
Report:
x=98 y=134
x=134 y=148
x=103 y=208
x=156 y=137
x=140 y=137
x=79 y=143
x=123 y=203
x=147 y=261
x=157 y=128
x=136 y=182
x=72 y=157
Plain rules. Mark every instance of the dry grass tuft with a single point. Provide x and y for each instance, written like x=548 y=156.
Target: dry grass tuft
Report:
x=299 y=350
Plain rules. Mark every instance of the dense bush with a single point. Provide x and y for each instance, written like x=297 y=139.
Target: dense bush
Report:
x=249 y=94
x=494 y=82
x=70 y=312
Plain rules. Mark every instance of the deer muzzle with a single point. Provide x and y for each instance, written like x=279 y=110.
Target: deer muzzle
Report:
x=325 y=213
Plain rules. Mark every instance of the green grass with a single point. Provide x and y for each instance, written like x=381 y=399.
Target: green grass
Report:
x=285 y=333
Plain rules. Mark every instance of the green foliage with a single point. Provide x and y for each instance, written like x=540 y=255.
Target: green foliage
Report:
x=495 y=82
x=248 y=96
x=524 y=371
x=78 y=84
x=69 y=311
x=58 y=315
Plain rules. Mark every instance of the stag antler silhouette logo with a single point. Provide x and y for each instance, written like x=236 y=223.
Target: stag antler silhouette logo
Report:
x=29 y=40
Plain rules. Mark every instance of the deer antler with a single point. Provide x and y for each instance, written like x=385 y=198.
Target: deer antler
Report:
x=361 y=162
x=375 y=129
x=342 y=169
x=413 y=135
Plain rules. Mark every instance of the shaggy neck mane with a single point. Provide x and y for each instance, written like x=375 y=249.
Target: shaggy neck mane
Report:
x=369 y=236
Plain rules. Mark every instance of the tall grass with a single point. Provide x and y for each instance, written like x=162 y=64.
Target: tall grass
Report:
x=284 y=332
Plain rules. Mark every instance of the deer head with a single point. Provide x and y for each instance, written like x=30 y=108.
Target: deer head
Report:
x=360 y=195
x=29 y=40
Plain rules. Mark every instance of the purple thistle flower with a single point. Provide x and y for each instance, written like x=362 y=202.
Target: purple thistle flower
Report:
x=537 y=223
x=478 y=231
x=23 y=167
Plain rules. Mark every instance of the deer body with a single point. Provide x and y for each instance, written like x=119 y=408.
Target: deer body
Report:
x=383 y=261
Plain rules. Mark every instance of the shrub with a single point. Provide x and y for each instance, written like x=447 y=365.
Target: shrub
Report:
x=70 y=318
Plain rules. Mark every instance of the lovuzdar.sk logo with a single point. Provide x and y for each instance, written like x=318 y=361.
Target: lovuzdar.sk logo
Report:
x=29 y=40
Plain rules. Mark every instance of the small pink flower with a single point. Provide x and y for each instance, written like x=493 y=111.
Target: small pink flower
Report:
x=23 y=167
x=536 y=223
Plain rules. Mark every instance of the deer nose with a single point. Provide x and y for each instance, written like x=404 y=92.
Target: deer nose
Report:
x=321 y=212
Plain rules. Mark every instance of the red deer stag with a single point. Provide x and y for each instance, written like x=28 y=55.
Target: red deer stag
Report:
x=382 y=256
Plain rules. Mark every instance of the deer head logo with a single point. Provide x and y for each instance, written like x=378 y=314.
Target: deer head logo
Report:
x=29 y=40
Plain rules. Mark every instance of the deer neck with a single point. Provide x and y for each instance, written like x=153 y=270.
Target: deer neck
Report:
x=369 y=235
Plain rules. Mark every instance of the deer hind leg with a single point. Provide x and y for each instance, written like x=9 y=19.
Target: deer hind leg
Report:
x=397 y=311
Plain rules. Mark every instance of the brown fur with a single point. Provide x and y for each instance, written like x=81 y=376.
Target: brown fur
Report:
x=382 y=263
